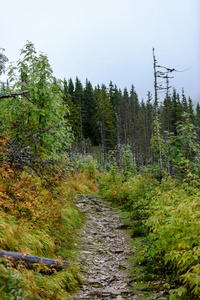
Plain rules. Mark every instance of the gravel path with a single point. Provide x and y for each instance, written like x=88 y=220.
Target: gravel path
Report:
x=104 y=252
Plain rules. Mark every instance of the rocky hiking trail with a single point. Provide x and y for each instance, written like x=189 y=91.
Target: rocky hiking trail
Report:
x=104 y=251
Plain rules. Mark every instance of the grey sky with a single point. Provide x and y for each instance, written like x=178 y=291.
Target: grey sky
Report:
x=105 y=40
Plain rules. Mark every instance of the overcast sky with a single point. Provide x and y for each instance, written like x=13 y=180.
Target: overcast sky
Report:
x=105 y=40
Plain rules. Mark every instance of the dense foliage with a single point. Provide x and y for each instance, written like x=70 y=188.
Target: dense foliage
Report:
x=35 y=121
x=110 y=117
x=44 y=124
x=39 y=217
x=168 y=215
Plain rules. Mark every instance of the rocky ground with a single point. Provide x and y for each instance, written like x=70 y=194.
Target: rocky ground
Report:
x=104 y=251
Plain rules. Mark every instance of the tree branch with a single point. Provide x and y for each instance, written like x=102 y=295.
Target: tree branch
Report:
x=14 y=94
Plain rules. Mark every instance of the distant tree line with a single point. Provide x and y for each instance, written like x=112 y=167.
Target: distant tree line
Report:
x=109 y=117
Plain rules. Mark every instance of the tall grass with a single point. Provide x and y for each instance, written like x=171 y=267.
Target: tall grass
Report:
x=39 y=217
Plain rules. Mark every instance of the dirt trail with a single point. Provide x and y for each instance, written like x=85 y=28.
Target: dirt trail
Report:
x=104 y=252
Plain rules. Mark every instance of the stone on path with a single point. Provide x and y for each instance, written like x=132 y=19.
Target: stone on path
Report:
x=104 y=251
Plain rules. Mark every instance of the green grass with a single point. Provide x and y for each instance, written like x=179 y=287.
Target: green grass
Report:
x=39 y=217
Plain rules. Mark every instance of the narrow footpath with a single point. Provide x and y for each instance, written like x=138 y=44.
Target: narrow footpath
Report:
x=104 y=251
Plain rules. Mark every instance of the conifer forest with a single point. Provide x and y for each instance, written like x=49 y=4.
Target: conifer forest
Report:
x=64 y=138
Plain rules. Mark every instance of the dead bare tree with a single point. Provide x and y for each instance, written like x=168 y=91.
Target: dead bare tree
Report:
x=160 y=72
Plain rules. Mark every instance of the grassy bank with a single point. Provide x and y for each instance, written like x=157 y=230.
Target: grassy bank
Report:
x=166 y=217
x=39 y=217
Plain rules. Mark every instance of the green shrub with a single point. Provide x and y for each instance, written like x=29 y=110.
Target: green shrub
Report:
x=174 y=219
x=170 y=214
x=88 y=164
x=127 y=164
x=39 y=217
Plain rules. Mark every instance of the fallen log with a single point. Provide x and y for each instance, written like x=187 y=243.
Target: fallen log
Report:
x=30 y=260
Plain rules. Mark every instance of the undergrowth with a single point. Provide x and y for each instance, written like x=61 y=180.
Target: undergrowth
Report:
x=165 y=216
x=39 y=217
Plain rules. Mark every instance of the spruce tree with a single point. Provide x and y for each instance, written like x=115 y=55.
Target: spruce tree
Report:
x=90 y=118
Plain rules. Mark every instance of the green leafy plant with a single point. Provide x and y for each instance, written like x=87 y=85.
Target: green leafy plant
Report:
x=127 y=163
x=168 y=213
x=35 y=121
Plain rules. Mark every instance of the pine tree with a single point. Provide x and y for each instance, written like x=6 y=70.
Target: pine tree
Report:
x=73 y=115
x=136 y=126
x=187 y=156
x=71 y=88
x=106 y=120
x=197 y=121
x=190 y=110
x=184 y=103
x=78 y=99
x=65 y=87
x=89 y=110
x=166 y=114
x=176 y=111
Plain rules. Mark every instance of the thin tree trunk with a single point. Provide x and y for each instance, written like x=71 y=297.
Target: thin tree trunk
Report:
x=118 y=148
x=156 y=107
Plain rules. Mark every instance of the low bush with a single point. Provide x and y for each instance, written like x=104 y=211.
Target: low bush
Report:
x=39 y=217
x=169 y=214
x=173 y=223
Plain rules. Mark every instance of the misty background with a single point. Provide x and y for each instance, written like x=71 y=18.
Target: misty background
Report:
x=109 y=40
